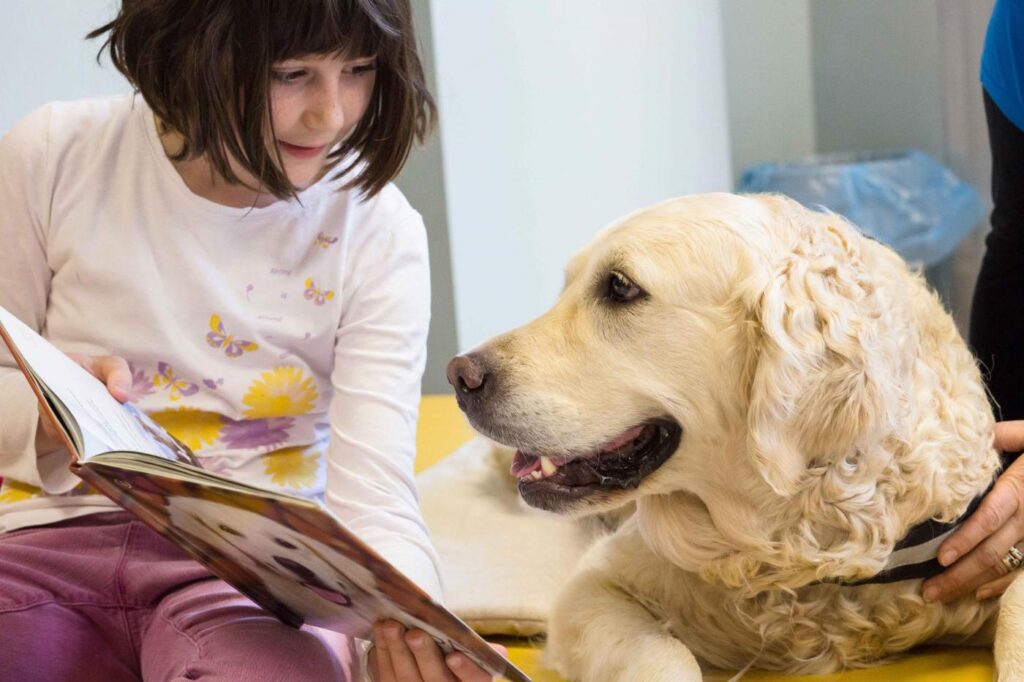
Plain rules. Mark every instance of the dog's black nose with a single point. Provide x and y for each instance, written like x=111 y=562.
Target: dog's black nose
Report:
x=466 y=373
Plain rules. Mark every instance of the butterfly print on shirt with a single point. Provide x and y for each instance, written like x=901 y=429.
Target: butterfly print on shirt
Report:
x=315 y=294
x=324 y=241
x=218 y=338
x=178 y=387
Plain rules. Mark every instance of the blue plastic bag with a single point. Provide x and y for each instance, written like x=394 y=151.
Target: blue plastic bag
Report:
x=902 y=198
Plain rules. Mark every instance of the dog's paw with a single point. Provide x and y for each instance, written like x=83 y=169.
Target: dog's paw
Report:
x=645 y=659
x=668 y=671
x=1008 y=649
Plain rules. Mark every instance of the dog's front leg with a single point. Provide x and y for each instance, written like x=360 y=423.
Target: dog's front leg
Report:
x=1009 y=644
x=599 y=633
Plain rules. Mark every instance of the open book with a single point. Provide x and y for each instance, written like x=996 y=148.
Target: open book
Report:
x=286 y=553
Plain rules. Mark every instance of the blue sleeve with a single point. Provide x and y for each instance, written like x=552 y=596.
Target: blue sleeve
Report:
x=1002 y=60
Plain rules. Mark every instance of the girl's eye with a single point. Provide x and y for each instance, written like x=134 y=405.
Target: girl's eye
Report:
x=360 y=69
x=291 y=76
x=620 y=289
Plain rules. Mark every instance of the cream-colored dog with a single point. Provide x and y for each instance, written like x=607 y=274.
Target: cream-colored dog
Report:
x=783 y=400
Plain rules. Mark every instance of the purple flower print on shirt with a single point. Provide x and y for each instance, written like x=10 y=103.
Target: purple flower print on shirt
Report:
x=141 y=384
x=255 y=433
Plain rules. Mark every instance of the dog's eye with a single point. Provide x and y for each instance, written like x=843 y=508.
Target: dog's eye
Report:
x=621 y=289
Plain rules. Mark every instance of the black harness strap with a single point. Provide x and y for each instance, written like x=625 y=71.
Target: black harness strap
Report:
x=914 y=556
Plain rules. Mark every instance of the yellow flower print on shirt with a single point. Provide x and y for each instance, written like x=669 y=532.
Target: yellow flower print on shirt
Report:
x=195 y=428
x=16 y=491
x=294 y=467
x=281 y=392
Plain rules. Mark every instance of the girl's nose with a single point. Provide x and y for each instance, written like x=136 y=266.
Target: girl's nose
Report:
x=326 y=111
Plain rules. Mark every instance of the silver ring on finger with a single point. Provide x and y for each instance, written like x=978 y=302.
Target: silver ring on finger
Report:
x=1013 y=559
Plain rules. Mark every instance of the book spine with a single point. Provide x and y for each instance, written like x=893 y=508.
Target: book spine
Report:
x=44 y=406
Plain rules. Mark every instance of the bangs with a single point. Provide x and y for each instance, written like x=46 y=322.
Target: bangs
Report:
x=205 y=68
x=349 y=28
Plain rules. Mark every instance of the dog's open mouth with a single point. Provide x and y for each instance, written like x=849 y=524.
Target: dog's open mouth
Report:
x=621 y=463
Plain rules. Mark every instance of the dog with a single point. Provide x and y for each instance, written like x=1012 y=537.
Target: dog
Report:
x=784 y=402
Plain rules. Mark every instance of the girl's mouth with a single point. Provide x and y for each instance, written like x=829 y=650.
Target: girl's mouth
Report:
x=301 y=152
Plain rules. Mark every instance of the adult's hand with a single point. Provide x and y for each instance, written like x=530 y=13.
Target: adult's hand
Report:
x=974 y=552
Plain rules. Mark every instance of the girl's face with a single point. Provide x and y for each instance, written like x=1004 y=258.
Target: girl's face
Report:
x=316 y=101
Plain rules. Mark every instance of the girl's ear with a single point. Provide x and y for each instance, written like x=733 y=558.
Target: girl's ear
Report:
x=820 y=375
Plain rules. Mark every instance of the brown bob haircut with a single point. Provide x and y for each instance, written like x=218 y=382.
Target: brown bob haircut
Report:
x=204 y=67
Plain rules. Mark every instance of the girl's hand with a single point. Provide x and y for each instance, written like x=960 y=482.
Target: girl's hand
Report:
x=986 y=537
x=400 y=655
x=111 y=370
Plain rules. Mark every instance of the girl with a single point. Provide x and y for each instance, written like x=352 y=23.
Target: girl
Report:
x=224 y=249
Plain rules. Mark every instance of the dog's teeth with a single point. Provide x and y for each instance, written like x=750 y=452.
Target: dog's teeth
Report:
x=547 y=466
x=537 y=475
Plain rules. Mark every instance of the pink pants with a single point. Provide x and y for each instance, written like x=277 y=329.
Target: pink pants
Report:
x=103 y=598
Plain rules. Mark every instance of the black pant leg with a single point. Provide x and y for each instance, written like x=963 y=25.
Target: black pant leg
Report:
x=997 y=315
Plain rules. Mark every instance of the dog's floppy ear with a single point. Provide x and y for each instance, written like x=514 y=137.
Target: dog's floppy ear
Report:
x=817 y=383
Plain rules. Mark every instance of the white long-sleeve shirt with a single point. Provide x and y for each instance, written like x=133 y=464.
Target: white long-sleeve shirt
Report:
x=285 y=345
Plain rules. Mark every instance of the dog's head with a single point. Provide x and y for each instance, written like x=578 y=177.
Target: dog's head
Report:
x=710 y=345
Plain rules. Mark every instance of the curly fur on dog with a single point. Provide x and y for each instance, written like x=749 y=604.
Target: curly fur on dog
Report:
x=824 y=404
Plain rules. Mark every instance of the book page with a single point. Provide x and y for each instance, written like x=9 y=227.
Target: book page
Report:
x=104 y=423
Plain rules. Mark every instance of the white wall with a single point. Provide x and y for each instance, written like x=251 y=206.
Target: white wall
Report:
x=905 y=74
x=877 y=75
x=558 y=117
x=44 y=55
x=422 y=182
x=769 y=80
x=962 y=27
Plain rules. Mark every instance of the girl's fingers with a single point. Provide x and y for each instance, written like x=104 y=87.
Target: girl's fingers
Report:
x=371 y=672
x=385 y=671
x=112 y=370
x=428 y=657
x=403 y=663
x=465 y=670
x=83 y=361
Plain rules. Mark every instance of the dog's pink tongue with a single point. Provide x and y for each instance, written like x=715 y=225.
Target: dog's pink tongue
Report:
x=524 y=464
x=619 y=441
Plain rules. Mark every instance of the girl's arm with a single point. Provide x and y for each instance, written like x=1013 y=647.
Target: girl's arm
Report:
x=380 y=352
x=25 y=187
